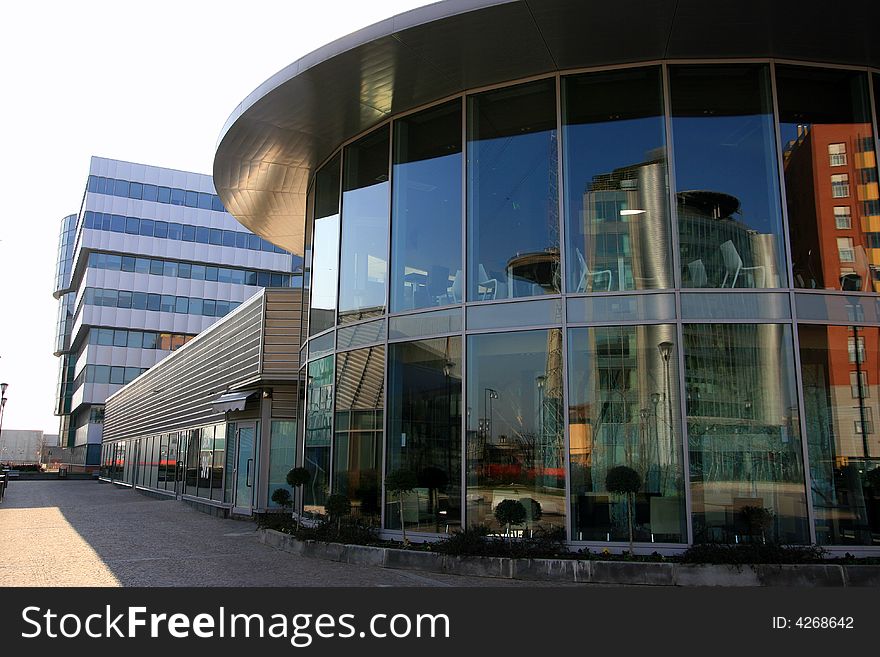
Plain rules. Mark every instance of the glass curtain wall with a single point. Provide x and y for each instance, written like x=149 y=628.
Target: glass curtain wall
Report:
x=363 y=265
x=426 y=210
x=218 y=463
x=744 y=443
x=617 y=197
x=358 y=429
x=282 y=457
x=513 y=193
x=191 y=481
x=515 y=418
x=841 y=374
x=624 y=411
x=830 y=177
x=325 y=248
x=424 y=432
x=726 y=174
x=205 y=463
x=318 y=427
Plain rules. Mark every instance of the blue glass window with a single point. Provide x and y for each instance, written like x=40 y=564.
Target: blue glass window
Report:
x=117 y=223
x=253 y=242
x=177 y=196
x=202 y=234
x=168 y=302
x=184 y=270
x=191 y=199
x=210 y=273
x=164 y=195
x=132 y=225
x=157 y=267
x=241 y=240
x=127 y=263
x=198 y=272
x=175 y=232
x=153 y=302
x=217 y=204
x=228 y=238
x=120 y=188
x=189 y=233
x=196 y=306
x=139 y=300
x=181 y=305
x=151 y=193
x=146 y=228
x=215 y=236
x=209 y=308
x=160 y=229
x=205 y=201
x=135 y=190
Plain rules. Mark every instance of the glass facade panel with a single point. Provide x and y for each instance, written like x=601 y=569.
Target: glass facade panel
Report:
x=325 y=248
x=426 y=210
x=730 y=305
x=426 y=324
x=364 y=250
x=840 y=403
x=358 y=427
x=624 y=411
x=282 y=457
x=837 y=308
x=625 y=308
x=830 y=177
x=617 y=197
x=726 y=172
x=191 y=476
x=218 y=462
x=746 y=465
x=361 y=334
x=513 y=189
x=319 y=423
x=520 y=313
x=515 y=418
x=424 y=432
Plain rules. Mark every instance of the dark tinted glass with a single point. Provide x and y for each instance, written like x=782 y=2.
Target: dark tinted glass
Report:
x=617 y=212
x=325 y=248
x=726 y=173
x=426 y=209
x=318 y=427
x=364 y=249
x=513 y=208
x=515 y=432
x=830 y=177
x=424 y=432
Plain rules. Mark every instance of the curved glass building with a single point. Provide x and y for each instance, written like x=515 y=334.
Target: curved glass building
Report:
x=547 y=239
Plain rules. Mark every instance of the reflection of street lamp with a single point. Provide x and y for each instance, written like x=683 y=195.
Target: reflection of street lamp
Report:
x=665 y=349
x=540 y=381
x=489 y=394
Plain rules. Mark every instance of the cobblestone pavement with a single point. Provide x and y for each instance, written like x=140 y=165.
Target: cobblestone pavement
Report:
x=86 y=533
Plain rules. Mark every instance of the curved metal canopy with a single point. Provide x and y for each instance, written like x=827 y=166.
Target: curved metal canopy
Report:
x=274 y=139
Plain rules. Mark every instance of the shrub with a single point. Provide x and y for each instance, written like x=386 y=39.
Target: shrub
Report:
x=510 y=512
x=746 y=553
x=281 y=496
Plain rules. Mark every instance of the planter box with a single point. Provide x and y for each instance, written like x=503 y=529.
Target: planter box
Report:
x=429 y=562
x=576 y=570
x=624 y=572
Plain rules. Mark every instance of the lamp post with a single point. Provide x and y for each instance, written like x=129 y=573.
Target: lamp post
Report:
x=3 y=387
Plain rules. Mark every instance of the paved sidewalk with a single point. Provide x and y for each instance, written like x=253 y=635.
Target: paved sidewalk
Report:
x=86 y=533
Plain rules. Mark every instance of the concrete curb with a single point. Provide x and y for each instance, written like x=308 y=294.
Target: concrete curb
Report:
x=581 y=571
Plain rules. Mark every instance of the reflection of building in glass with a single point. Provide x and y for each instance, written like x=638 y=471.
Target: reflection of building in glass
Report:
x=743 y=257
x=832 y=191
x=626 y=228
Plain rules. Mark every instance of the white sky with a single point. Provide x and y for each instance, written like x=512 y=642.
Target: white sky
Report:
x=149 y=82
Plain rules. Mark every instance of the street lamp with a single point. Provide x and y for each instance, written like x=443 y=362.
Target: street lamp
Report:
x=3 y=387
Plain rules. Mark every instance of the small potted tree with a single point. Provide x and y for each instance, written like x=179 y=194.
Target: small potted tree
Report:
x=510 y=512
x=398 y=484
x=296 y=479
x=337 y=506
x=281 y=497
x=623 y=480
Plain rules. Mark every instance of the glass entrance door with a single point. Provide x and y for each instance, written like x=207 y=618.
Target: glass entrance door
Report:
x=245 y=470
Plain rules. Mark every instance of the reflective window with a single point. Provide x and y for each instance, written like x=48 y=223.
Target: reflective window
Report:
x=325 y=248
x=319 y=419
x=840 y=402
x=746 y=465
x=426 y=211
x=830 y=177
x=617 y=198
x=515 y=417
x=424 y=432
x=282 y=457
x=513 y=208
x=358 y=425
x=726 y=173
x=364 y=252
x=624 y=411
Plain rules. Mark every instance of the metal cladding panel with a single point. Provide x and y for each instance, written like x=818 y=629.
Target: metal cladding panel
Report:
x=281 y=334
x=177 y=392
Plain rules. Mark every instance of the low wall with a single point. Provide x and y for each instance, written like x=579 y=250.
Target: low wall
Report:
x=579 y=570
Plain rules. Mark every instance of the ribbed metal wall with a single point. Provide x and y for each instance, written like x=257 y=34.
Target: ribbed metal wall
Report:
x=177 y=392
